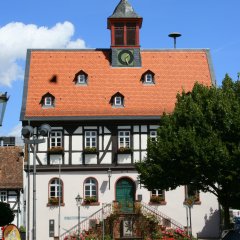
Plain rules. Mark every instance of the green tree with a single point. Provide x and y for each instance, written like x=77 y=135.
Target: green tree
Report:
x=6 y=214
x=199 y=144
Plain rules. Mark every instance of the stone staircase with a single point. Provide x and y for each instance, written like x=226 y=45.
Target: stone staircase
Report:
x=112 y=223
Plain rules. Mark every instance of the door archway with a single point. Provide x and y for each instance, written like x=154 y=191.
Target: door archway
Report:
x=125 y=194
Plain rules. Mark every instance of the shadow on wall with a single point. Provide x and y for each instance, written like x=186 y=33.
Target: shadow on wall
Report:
x=211 y=228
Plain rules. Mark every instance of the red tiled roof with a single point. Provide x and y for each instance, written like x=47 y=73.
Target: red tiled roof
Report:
x=174 y=70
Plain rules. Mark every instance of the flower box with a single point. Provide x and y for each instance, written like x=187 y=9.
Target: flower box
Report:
x=56 y=150
x=90 y=150
x=157 y=200
x=124 y=150
x=54 y=201
x=90 y=201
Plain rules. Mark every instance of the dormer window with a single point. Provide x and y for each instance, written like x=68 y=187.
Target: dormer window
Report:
x=48 y=100
x=117 y=100
x=148 y=77
x=81 y=78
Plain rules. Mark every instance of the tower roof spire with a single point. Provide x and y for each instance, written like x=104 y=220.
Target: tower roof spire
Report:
x=124 y=10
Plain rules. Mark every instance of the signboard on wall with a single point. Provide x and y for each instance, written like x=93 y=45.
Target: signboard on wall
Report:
x=11 y=233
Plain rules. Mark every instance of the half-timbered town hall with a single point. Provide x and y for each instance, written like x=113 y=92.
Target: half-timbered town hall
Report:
x=103 y=105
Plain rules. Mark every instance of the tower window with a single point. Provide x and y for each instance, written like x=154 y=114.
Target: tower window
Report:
x=131 y=33
x=125 y=34
x=119 y=34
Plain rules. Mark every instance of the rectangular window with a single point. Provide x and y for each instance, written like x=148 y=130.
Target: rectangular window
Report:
x=118 y=101
x=56 y=139
x=148 y=78
x=3 y=196
x=81 y=79
x=153 y=135
x=119 y=34
x=90 y=139
x=131 y=34
x=124 y=139
x=48 y=101
x=157 y=196
x=191 y=195
x=158 y=192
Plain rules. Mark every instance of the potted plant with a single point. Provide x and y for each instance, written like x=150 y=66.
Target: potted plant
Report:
x=22 y=231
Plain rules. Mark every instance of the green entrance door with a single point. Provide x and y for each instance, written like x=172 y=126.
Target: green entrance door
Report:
x=125 y=193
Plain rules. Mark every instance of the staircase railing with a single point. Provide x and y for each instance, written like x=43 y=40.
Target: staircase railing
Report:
x=163 y=219
x=85 y=224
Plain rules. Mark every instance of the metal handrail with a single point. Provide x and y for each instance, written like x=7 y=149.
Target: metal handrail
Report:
x=160 y=216
x=84 y=224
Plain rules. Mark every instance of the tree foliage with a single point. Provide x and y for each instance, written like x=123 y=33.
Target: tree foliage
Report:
x=199 y=144
x=6 y=214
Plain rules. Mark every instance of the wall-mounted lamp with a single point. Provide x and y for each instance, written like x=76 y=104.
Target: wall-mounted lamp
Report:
x=109 y=172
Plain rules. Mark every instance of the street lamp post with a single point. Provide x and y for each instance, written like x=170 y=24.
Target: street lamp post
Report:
x=109 y=172
x=79 y=202
x=31 y=137
x=3 y=103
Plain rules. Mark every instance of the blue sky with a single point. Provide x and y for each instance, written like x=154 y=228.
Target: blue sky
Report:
x=212 y=24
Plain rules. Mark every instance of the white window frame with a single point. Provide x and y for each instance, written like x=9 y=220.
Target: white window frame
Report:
x=148 y=78
x=90 y=188
x=118 y=101
x=3 y=196
x=153 y=135
x=124 y=139
x=55 y=188
x=91 y=139
x=158 y=192
x=56 y=139
x=81 y=79
x=48 y=101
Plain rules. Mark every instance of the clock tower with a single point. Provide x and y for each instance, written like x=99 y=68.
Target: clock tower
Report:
x=124 y=25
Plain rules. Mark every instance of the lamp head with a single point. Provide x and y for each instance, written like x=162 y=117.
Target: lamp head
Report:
x=109 y=172
x=27 y=131
x=78 y=200
x=45 y=130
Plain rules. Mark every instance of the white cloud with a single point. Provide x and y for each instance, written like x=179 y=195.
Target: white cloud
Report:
x=17 y=37
x=16 y=131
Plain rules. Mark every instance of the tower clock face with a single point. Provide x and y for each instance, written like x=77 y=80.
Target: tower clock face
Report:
x=125 y=57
